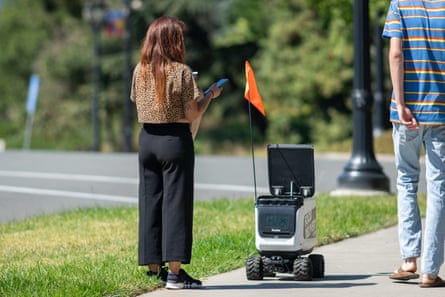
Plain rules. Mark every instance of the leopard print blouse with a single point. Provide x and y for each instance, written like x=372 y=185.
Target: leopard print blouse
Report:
x=180 y=88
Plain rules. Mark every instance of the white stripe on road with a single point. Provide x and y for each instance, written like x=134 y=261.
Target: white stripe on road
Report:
x=230 y=188
x=72 y=177
x=99 y=178
x=120 y=180
x=102 y=197
x=69 y=194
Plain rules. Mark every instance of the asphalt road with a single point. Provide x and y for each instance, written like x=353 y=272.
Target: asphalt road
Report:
x=42 y=182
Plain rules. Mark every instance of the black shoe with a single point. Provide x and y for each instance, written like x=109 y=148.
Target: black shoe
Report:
x=161 y=274
x=182 y=281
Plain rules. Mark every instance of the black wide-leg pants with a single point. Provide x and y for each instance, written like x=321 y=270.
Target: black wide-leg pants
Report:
x=166 y=177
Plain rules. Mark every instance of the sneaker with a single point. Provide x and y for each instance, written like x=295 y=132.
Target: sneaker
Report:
x=161 y=275
x=182 y=281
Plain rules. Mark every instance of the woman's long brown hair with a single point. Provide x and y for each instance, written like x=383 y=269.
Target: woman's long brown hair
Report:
x=163 y=44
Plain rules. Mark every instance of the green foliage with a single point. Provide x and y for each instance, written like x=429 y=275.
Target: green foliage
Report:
x=64 y=101
x=244 y=22
x=22 y=33
x=334 y=130
x=303 y=66
x=301 y=51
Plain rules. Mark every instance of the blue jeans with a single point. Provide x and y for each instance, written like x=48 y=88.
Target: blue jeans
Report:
x=407 y=148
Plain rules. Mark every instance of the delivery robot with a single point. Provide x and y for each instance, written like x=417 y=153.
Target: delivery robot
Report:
x=286 y=220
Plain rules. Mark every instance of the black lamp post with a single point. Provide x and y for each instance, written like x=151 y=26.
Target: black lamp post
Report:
x=94 y=13
x=362 y=172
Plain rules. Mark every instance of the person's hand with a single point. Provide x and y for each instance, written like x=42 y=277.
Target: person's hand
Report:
x=215 y=91
x=406 y=118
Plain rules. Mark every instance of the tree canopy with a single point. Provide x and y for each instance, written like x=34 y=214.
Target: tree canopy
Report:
x=301 y=51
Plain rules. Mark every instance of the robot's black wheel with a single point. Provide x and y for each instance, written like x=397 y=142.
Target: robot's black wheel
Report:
x=317 y=265
x=302 y=269
x=254 y=268
x=268 y=267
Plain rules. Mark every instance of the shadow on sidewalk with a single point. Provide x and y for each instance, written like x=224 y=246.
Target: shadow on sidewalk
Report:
x=330 y=281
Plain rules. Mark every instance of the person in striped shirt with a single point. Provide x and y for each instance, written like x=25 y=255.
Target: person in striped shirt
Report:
x=416 y=30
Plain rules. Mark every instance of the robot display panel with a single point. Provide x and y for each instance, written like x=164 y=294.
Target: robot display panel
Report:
x=276 y=220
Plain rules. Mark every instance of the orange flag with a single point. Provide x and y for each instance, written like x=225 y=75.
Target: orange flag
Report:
x=251 y=93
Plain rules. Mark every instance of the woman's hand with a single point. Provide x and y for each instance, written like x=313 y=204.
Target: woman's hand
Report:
x=215 y=91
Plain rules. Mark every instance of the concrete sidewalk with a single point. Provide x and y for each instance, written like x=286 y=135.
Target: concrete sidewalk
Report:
x=353 y=267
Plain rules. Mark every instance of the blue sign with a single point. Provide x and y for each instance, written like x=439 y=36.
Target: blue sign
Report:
x=115 y=20
x=33 y=92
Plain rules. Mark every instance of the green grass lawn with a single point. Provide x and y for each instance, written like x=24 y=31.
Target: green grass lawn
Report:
x=93 y=252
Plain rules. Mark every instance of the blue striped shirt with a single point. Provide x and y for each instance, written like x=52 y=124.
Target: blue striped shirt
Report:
x=421 y=26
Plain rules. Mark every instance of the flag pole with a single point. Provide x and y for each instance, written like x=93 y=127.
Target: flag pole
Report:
x=252 y=147
x=252 y=91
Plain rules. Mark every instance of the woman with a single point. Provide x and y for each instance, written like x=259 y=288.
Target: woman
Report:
x=167 y=102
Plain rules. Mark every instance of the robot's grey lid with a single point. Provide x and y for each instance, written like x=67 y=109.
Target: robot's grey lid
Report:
x=291 y=169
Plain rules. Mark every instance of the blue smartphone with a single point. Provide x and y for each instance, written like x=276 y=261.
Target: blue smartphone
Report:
x=219 y=84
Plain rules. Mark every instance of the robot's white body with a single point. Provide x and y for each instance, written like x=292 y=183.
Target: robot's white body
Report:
x=276 y=232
